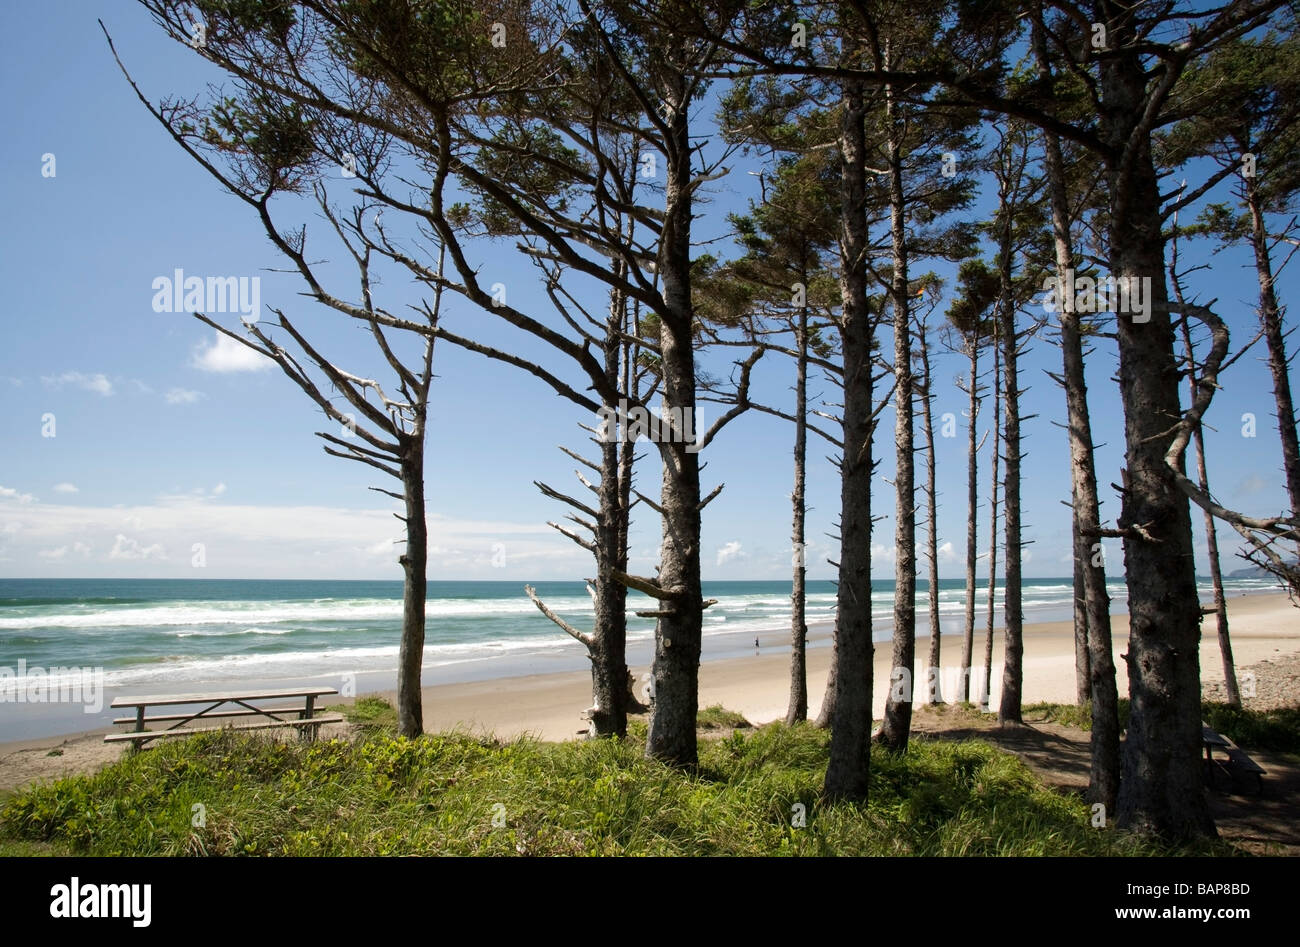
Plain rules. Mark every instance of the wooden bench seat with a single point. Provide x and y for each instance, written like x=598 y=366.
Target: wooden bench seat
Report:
x=171 y=718
x=1241 y=765
x=142 y=736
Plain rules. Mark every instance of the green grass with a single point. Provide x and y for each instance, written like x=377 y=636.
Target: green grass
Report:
x=961 y=708
x=368 y=712
x=1277 y=730
x=458 y=794
x=717 y=717
x=1078 y=716
x=21 y=848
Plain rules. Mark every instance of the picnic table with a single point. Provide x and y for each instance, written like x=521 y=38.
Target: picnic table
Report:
x=1211 y=740
x=1237 y=764
x=229 y=705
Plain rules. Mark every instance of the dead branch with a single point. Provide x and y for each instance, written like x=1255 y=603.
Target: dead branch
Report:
x=542 y=607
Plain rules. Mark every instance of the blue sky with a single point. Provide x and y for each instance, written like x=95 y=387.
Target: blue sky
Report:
x=164 y=439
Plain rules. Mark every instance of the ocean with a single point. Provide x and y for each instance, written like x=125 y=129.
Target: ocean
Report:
x=181 y=635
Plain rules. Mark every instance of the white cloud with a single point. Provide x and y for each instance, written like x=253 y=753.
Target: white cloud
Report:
x=155 y=539
x=125 y=548
x=66 y=488
x=182 y=396
x=382 y=548
x=194 y=495
x=730 y=551
x=1253 y=484
x=141 y=387
x=16 y=382
x=227 y=355
x=9 y=493
x=79 y=548
x=946 y=553
x=97 y=383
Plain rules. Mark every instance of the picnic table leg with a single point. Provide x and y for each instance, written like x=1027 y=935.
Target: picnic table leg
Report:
x=308 y=734
x=135 y=746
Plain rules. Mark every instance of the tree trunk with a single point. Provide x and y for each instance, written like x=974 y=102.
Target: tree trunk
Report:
x=898 y=708
x=626 y=469
x=933 y=688
x=1216 y=577
x=1090 y=567
x=1270 y=314
x=798 y=707
x=680 y=616
x=1082 y=675
x=1211 y=531
x=848 y=770
x=410 y=656
x=609 y=642
x=986 y=695
x=609 y=678
x=1013 y=613
x=1161 y=791
x=972 y=509
x=825 y=713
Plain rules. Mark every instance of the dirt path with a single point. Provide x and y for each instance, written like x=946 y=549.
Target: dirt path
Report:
x=1267 y=824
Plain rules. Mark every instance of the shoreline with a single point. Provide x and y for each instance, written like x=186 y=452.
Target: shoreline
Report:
x=547 y=706
x=1262 y=625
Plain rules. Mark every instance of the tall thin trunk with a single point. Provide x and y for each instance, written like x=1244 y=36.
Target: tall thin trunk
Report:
x=1270 y=314
x=848 y=770
x=798 y=707
x=933 y=688
x=1162 y=790
x=1013 y=613
x=410 y=656
x=1203 y=480
x=609 y=651
x=1216 y=578
x=1082 y=672
x=987 y=693
x=680 y=616
x=1090 y=567
x=972 y=507
x=826 y=712
x=898 y=709
x=626 y=469
x=609 y=641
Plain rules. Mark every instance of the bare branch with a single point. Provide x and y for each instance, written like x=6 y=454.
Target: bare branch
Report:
x=569 y=629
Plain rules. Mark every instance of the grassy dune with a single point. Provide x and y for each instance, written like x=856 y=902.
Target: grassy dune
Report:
x=452 y=793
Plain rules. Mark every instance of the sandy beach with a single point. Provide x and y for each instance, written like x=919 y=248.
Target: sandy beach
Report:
x=1261 y=625
x=548 y=706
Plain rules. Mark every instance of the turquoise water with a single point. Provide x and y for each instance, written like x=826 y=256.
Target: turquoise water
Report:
x=176 y=632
